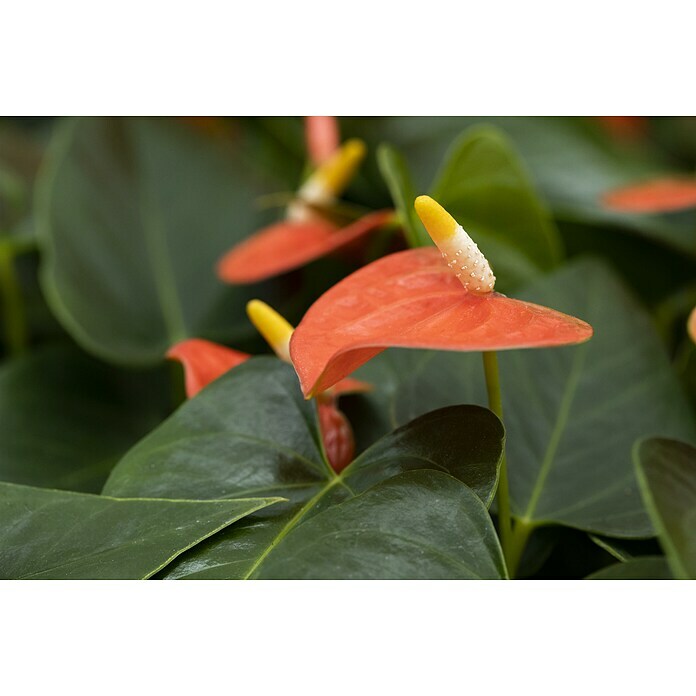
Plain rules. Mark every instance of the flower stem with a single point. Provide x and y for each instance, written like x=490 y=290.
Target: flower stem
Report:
x=495 y=403
x=518 y=543
x=14 y=320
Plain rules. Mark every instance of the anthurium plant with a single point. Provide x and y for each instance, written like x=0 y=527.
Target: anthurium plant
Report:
x=360 y=348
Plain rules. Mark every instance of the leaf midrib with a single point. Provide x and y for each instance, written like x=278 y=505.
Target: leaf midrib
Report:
x=292 y=523
x=559 y=427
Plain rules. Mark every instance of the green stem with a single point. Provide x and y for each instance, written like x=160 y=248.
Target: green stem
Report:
x=495 y=403
x=14 y=320
x=518 y=543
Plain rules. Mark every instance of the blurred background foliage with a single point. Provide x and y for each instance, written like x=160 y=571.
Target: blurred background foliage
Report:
x=110 y=230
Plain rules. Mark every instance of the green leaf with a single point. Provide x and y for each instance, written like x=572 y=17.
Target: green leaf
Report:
x=133 y=215
x=55 y=535
x=571 y=414
x=570 y=162
x=251 y=433
x=418 y=525
x=395 y=172
x=485 y=187
x=666 y=470
x=66 y=419
x=645 y=568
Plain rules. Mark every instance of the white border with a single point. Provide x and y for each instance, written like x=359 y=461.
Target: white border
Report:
x=338 y=638
x=359 y=57
x=362 y=57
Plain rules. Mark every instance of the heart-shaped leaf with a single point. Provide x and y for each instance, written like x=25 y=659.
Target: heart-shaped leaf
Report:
x=132 y=235
x=571 y=165
x=204 y=362
x=667 y=472
x=646 y=568
x=419 y=525
x=252 y=433
x=66 y=419
x=412 y=299
x=50 y=535
x=287 y=245
x=479 y=171
x=571 y=414
x=484 y=186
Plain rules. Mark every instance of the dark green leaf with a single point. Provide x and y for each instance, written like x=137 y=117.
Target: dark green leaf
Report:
x=251 y=433
x=667 y=473
x=571 y=414
x=66 y=419
x=484 y=186
x=134 y=214
x=570 y=163
x=50 y=535
x=646 y=568
x=418 y=525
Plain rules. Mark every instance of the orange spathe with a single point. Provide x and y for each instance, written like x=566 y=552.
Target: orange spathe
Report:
x=204 y=361
x=288 y=245
x=412 y=300
x=657 y=196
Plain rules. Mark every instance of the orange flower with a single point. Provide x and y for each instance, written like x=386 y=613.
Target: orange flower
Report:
x=205 y=361
x=657 y=196
x=307 y=232
x=420 y=298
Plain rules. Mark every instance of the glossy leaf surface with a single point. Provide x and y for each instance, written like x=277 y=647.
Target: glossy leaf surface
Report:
x=419 y=525
x=656 y=196
x=56 y=535
x=251 y=433
x=131 y=236
x=571 y=414
x=485 y=187
x=667 y=472
x=66 y=419
x=287 y=245
x=204 y=362
x=412 y=299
